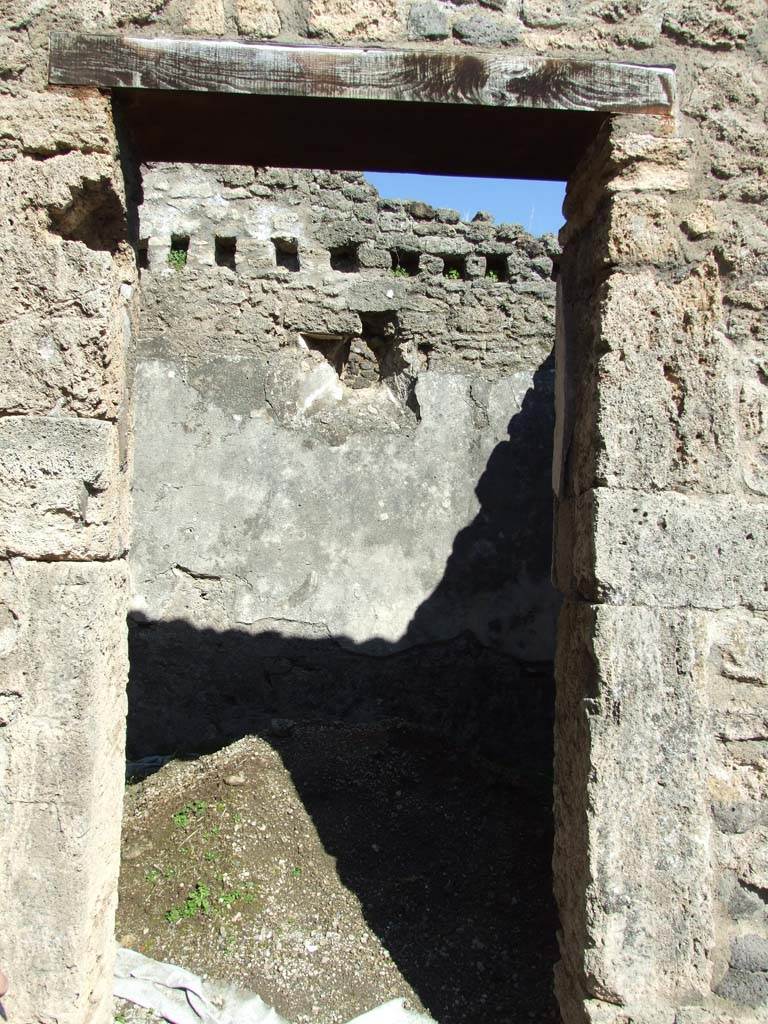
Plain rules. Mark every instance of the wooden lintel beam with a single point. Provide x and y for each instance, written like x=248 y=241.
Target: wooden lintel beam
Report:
x=333 y=72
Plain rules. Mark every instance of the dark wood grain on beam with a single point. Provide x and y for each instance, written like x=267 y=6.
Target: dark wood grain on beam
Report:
x=404 y=76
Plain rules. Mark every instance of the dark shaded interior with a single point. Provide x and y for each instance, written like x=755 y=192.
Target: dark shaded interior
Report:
x=282 y=131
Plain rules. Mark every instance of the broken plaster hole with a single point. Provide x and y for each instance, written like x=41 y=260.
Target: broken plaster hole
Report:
x=225 y=252
x=142 y=254
x=404 y=263
x=345 y=258
x=94 y=216
x=333 y=348
x=286 y=253
x=362 y=361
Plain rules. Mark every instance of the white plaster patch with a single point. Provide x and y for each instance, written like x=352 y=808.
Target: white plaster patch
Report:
x=321 y=384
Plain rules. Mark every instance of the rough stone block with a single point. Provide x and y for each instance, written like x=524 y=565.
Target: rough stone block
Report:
x=428 y=20
x=544 y=13
x=371 y=257
x=430 y=265
x=258 y=18
x=632 y=848
x=158 y=248
x=254 y=256
x=669 y=550
x=749 y=953
x=747 y=987
x=63 y=658
x=43 y=124
x=650 y=162
x=201 y=252
x=744 y=905
x=315 y=260
x=747 y=855
x=376 y=296
x=485 y=30
x=753 y=422
x=717 y=27
x=314 y=317
x=622 y=160
x=63 y=316
x=666 y=415
x=206 y=17
x=475 y=266
x=62 y=491
x=740 y=720
x=735 y=818
x=345 y=19
x=739 y=647
x=640 y=229
x=704 y=1015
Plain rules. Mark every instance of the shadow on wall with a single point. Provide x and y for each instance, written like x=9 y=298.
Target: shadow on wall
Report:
x=191 y=690
x=478 y=858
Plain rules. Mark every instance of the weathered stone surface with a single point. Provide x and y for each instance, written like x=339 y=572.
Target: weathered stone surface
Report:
x=258 y=18
x=485 y=30
x=205 y=16
x=62 y=490
x=544 y=13
x=63 y=303
x=44 y=124
x=632 y=878
x=748 y=855
x=749 y=953
x=640 y=229
x=720 y=26
x=345 y=19
x=428 y=20
x=747 y=987
x=753 y=422
x=666 y=413
x=739 y=651
x=668 y=550
x=738 y=817
x=701 y=1015
x=64 y=662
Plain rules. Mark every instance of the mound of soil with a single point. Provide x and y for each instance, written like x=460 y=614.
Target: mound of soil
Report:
x=338 y=866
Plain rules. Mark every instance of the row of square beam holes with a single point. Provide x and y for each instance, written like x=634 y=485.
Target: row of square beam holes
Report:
x=343 y=258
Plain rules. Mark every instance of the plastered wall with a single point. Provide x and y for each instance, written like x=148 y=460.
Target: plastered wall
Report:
x=343 y=413
x=661 y=842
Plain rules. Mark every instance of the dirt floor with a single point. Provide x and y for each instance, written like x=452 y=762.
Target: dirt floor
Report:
x=331 y=867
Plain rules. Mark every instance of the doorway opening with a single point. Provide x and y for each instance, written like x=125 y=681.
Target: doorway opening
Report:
x=341 y=595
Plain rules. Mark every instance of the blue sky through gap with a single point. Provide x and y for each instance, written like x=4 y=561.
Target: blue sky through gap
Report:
x=537 y=205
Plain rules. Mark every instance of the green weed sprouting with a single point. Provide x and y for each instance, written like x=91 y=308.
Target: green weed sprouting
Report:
x=197 y=902
x=177 y=258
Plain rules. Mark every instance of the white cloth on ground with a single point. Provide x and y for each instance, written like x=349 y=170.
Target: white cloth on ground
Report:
x=181 y=997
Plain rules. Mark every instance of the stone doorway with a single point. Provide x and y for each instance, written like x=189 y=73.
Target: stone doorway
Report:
x=632 y=855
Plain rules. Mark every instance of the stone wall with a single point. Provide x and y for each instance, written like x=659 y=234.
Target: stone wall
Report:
x=343 y=415
x=661 y=471
x=66 y=290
